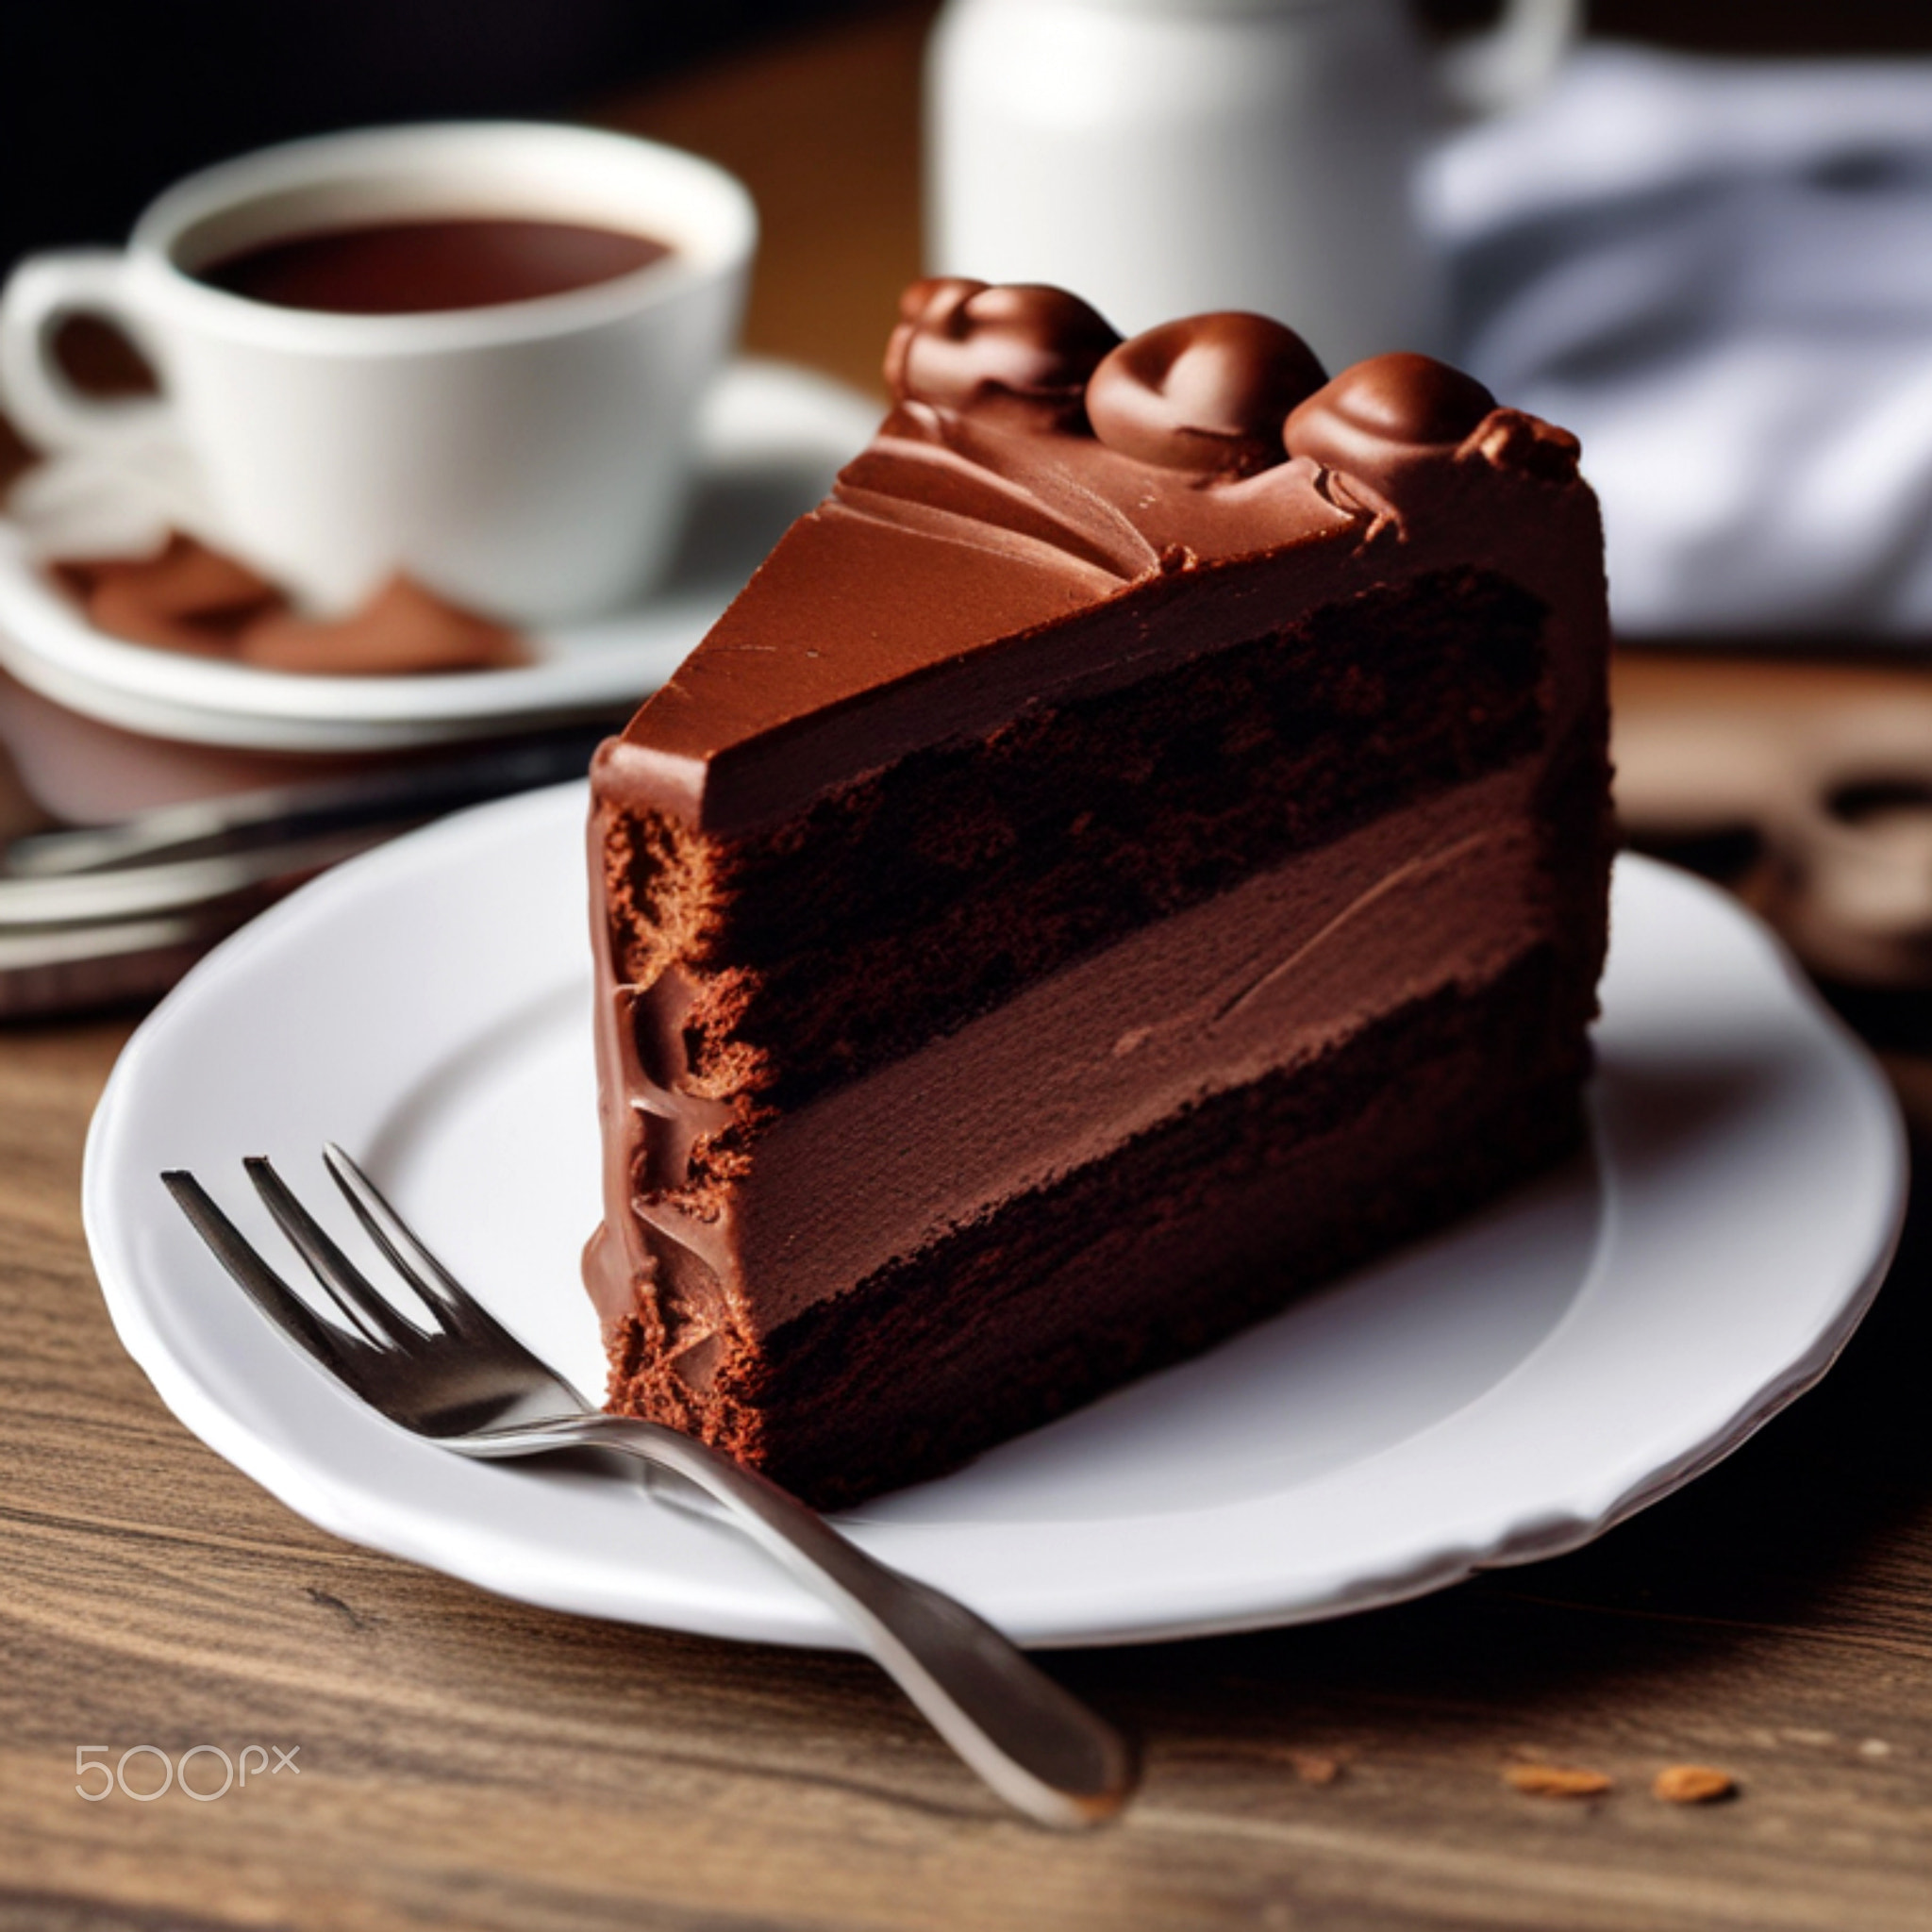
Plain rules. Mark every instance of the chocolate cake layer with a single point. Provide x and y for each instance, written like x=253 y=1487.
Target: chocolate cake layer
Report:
x=1266 y=975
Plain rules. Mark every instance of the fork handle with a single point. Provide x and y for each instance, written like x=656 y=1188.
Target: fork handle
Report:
x=1034 y=1742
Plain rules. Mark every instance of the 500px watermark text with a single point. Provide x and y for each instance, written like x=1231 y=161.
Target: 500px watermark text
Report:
x=98 y=1778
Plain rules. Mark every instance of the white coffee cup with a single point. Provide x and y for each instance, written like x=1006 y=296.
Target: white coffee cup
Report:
x=528 y=460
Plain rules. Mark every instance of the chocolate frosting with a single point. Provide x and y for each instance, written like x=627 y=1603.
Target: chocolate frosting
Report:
x=1034 y=471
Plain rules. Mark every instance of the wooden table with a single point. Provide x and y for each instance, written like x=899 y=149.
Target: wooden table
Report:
x=466 y=1762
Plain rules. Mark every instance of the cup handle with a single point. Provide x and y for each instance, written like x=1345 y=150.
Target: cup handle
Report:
x=1511 y=62
x=41 y=293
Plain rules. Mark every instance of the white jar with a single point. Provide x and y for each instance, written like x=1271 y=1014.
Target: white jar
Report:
x=1162 y=157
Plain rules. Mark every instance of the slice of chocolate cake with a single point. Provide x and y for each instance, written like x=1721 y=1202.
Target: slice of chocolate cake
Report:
x=1138 y=848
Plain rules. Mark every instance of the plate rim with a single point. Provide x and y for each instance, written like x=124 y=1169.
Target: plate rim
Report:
x=1529 y=1537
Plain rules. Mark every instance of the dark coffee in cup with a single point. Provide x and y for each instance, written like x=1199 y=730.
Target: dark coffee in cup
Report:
x=417 y=267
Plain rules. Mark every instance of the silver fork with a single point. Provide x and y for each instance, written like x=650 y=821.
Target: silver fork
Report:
x=460 y=1378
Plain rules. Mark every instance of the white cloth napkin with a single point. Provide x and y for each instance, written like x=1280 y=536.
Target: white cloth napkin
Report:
x=1718 y=274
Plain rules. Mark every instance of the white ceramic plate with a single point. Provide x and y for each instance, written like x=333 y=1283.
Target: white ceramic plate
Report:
x=772 y=438
x=1497 y=1394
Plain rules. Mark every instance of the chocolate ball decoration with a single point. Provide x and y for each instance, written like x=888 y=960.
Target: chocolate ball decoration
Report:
x=1014 y=347
x=1385 y=409
x=1207 y=395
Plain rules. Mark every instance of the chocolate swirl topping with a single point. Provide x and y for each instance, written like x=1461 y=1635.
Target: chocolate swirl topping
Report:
x=1020 y=349
x=1025 y=425
x=1384 y=410
x=1208 y=393
x=1219 y=398
x=1027 y=428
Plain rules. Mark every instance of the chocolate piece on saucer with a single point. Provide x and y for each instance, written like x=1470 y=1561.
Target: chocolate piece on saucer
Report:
x=403 y=631
x=186 y=599
x=194 y=599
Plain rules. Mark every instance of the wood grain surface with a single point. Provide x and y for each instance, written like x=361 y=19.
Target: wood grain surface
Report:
x=469 y=1762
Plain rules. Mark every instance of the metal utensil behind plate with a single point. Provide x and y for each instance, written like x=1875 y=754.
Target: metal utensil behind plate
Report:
x=92 y=916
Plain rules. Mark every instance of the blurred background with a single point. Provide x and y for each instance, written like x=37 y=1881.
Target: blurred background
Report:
x=105 y=102
x=1707 y=248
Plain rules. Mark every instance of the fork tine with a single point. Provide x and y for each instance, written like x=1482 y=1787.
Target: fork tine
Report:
x=347 y=1286
x=259 y=1281
x=464 y=1317
x=400 y=1242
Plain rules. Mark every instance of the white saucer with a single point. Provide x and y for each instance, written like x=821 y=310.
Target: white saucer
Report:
x=774 y=436
x=1506 y=1391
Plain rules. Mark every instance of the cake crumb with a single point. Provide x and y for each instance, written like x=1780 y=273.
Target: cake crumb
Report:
x=1314 y=1769
x=1693 y=1784
x=1556 y=1781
